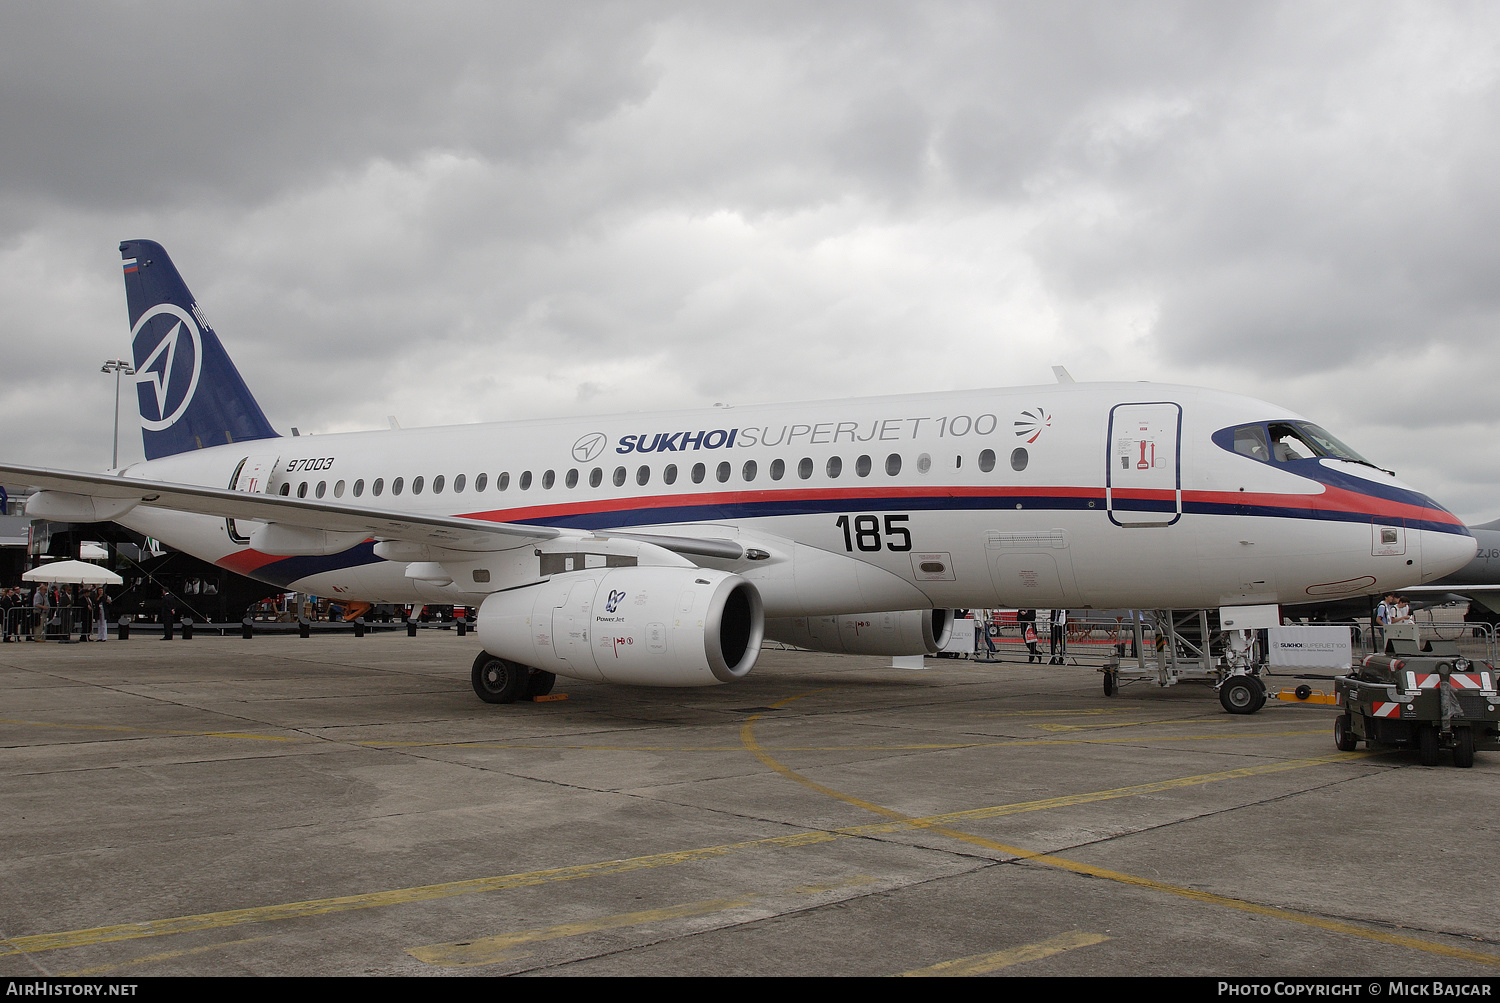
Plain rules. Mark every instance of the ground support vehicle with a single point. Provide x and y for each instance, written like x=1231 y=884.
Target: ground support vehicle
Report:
x=1423 y=696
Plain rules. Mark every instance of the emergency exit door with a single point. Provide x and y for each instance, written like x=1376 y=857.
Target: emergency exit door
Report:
x=1143 y=479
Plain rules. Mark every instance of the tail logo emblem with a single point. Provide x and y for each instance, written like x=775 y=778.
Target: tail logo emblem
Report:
x=158 y=366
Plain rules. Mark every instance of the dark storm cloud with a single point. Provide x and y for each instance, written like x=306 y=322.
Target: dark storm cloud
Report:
x=138 y=105
x=458 y=212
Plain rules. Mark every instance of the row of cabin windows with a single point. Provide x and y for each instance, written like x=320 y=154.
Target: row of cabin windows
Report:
x=777 y=469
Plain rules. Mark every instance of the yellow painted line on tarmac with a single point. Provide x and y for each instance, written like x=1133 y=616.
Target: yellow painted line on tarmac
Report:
x=895 y=822
x=982 y=964
x=1048 y=726
x=164 y=956
x=502 y=947
x=492 y=950
x=127 y=729
x=938 y=824
x=910 y=747
x=1078 y=712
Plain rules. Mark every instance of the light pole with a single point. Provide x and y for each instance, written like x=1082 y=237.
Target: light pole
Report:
x=117 y=366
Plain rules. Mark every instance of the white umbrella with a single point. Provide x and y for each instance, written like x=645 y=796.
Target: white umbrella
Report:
x=73 y=573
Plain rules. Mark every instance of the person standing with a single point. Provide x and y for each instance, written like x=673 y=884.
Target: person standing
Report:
x=1059 y=620
x=101 y=611
x=85 y=605
x=40 y=608
x=982 y=630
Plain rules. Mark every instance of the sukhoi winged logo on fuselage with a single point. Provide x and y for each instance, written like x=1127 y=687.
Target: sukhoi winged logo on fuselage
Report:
x=164 y=363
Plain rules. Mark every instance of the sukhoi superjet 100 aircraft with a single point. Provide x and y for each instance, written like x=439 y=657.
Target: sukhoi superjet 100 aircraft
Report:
x=660 y=548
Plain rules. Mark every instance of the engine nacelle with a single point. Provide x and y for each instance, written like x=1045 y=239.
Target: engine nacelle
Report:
x=647 y=626
x=910 y=632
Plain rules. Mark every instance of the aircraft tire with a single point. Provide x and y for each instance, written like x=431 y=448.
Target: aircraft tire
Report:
x=1109 y=684
x=496 y=680
x=1427 y=744
x=1242 y=695
x=1343 y=733
x=540 y=683
x=1463 y=748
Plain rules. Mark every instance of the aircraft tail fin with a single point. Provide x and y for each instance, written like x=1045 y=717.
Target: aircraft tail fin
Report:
x=190 y=394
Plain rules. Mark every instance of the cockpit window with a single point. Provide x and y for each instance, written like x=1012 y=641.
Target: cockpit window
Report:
x=1288 y=444
x=1285 y=442
x=1302 y=440
x=1250 y=440
x=1327 y=444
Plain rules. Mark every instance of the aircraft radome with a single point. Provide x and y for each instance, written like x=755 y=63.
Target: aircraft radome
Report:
x=661 y=548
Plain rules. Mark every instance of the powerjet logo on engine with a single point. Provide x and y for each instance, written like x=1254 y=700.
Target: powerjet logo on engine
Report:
x=168 y=361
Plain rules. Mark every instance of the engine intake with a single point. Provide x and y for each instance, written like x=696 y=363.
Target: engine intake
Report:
x=648 y=626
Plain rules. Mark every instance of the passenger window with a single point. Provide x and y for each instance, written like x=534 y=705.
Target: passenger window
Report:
x=416 y=485
x=669 y=473
x=548 y=479
x=524 y=481
x=804 y=469
x=322 y=487
x=359 y=487
x=377 y=487
x=893 y=464
x=572 y=478
x=302 y=490
x=698 y=471
x=722 y=474
x=749 y=470
x=619 y=477
x=642 y=475
x=1250 y=440
x=987 y=460
x=778 y=469
x=286 y=489
x=862 y=466
x=338 y=490
x=835 y=466
x=924 y=463
x=458 y=484
x=596 y=477
x=437 y=484
x=1018 y=458
x=503 y=481
x=397 y=485
x=479 y=481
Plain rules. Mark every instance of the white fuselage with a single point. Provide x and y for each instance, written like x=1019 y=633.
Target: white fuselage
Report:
x=1076 y=495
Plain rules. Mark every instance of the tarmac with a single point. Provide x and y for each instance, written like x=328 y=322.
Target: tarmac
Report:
x=336 y=806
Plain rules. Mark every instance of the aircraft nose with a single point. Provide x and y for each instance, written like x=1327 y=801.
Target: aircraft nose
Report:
x=1445 y=553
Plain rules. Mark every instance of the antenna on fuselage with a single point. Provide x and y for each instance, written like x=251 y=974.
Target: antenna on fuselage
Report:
x=1063 y=376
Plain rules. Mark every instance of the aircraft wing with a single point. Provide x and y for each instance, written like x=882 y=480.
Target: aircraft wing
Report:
x=114 y=495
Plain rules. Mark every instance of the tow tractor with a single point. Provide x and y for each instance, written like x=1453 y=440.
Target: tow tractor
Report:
x=1419 y=695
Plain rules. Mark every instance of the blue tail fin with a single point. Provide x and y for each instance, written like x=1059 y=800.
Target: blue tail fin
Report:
x=191 y=396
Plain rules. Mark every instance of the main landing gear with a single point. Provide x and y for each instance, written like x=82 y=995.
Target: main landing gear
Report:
x=497 y=680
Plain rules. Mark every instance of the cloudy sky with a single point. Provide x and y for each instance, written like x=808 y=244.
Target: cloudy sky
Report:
x=456 y=212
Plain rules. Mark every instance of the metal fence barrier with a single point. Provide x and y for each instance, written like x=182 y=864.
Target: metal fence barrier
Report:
x=49 y=623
